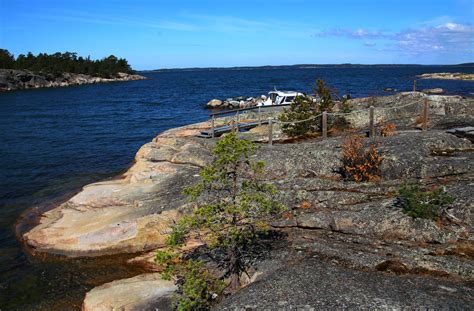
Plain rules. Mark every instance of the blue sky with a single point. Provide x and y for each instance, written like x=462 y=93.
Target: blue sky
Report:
x=202 y=33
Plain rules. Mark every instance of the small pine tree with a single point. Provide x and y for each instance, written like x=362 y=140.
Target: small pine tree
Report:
x=324 y=94
x=303 y=108
x=233 y=208
x=345 y=106
x=300 y=109
x=419 y=203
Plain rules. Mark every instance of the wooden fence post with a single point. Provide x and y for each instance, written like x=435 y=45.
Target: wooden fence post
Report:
x=212 y=127
x=425 y=115
x=414 y=85
x=324 y=126
x=270 y=131
x=371 y=122
x=259 y=116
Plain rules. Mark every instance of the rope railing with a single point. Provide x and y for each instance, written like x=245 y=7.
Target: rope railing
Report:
x=297 y=122
x=372 y=112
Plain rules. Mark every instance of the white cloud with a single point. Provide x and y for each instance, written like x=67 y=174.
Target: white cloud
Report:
x=359 y=33
x=448 y=37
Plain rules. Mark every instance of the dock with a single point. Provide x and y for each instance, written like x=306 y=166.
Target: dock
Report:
x=218 y=131
x=238 y=125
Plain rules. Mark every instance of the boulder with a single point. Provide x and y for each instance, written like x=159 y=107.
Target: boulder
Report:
x=142 y=292
x=464 y=132
x=433 y=91
x=234 y=104
x=37 y=82
x=214 y=103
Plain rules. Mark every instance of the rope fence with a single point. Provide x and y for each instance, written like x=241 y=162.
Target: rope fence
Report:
x=371 y=116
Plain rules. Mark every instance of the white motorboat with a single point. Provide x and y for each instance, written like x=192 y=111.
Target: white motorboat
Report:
x=280 y=98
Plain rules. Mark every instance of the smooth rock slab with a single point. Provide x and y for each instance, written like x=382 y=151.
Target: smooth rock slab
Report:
x=313 y=284
x=142 y=292
x=131 y=214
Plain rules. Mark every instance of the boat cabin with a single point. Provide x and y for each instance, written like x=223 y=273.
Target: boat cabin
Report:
x=280 y=98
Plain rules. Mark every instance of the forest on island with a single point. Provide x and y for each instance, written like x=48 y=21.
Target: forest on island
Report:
x=59 y=63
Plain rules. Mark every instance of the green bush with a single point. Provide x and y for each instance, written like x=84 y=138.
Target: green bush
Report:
x=198 y=289
x=419 y=203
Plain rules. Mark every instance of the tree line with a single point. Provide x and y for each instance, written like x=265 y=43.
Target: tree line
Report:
x=59 y=63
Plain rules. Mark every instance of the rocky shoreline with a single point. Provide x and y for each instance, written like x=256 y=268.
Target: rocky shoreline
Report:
x=12 y=79
x=236 y=102
x=448 y=76
x=340 y=235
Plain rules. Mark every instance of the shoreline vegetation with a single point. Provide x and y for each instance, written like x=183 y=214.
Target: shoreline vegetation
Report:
x=59 y=70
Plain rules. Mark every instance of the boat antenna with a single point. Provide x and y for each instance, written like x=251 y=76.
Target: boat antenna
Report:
x=274 y=88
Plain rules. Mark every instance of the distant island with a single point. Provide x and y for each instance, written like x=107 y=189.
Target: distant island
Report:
x=60 y=69
x=303 y=66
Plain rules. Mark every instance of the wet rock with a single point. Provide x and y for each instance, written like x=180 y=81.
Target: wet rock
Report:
x=142 y=292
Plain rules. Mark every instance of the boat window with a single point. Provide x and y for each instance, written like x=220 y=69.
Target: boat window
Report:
x=289 y=99
x=273 y=97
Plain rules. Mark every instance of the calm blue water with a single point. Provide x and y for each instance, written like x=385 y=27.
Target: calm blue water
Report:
x=54 y=141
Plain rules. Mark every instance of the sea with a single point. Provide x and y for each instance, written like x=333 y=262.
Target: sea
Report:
x=54 y=141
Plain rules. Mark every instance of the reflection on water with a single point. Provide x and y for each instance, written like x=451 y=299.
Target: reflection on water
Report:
x=59 y=284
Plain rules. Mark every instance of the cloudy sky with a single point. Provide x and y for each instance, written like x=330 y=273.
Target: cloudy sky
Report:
x=164 y=34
